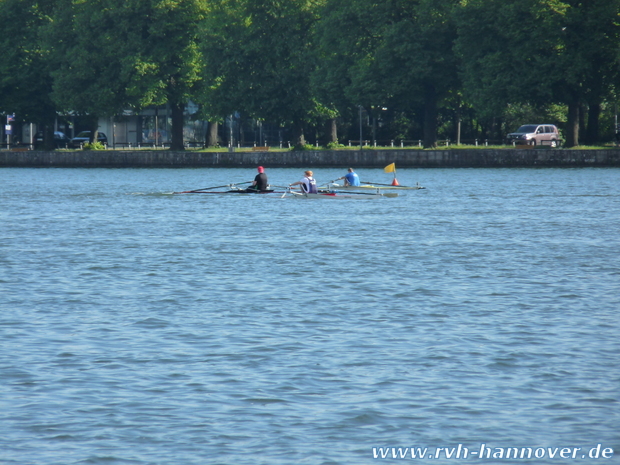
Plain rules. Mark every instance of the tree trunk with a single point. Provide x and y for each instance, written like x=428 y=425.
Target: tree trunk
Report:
x=430 y=117
x=299 y=139
x=582 y=122
x=93 y=123
x=48 y=137
x=176 y=142
x=592 y=130
x=333 y=131
x=213 y=139
x=572 y=125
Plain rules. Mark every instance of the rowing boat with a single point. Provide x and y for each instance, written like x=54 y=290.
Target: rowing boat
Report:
x=342 y=192
x=236 y=191
x=374 y=187
x=339 y=195
x=231 y=190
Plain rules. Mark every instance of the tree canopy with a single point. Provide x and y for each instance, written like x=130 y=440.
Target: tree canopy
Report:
x=421 y=64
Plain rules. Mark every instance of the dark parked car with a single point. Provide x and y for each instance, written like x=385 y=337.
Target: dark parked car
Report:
x=61 y=141
x=536 y=134
x=84 y=138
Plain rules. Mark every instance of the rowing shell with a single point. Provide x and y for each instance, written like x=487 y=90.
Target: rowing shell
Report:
x=233 y=191
x=340 y=195
x=374 y=187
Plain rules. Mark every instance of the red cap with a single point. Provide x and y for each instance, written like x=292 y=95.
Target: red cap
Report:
x=261 y=169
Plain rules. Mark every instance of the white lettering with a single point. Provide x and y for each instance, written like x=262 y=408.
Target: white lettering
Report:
x=563 y=453
x=382 y=453
x=465 y=451
x=461 y=452
x=481 y=453
x=598 y=452
x=401 y=452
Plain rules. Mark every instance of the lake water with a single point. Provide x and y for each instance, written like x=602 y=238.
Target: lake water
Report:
x=140 y=327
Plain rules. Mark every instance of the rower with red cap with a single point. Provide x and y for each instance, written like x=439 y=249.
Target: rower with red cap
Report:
x=260 y=182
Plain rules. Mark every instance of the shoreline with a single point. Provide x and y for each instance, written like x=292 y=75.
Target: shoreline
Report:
x=405 y=158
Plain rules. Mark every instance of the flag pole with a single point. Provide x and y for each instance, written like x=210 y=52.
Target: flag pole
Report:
x=395 y=182
x=391 y=168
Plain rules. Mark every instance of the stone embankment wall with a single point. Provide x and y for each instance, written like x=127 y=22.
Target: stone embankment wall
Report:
x=457 y=158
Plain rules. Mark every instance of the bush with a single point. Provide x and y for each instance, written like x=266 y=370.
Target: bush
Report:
x=334 y=145
x=94 y=146
x=300 y=147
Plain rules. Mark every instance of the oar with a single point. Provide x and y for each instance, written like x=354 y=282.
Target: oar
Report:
x=209 y=188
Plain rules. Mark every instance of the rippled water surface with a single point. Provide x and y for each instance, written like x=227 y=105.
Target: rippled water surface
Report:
x=140 y=327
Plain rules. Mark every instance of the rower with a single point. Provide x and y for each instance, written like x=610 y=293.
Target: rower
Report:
x=260 y=182
x=351 y=178
x=307 y=183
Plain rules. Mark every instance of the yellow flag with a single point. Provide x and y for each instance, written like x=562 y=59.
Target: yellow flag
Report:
x=390 y=168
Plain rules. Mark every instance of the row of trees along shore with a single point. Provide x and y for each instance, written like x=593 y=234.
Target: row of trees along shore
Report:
x=424 y=69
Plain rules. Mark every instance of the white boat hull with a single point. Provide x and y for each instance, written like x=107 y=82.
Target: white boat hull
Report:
x=373 y=187
x=341 y=195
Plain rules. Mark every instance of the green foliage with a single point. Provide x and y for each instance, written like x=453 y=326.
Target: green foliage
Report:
x=94 y=146
x=334 y=145
x=397 y=54
x=539 y=53
x=297 y=64
x=258 y=60
x=25 y=82
x=111 y=56
x=303 y=147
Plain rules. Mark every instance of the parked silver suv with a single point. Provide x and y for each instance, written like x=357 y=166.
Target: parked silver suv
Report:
x=535 y=134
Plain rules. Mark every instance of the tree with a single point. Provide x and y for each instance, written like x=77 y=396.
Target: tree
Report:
x=538 y=52
x=132 y=54
x=25 y=83
x=258 y=59
x=396 y=54
x=166 y=55
x=587 y=59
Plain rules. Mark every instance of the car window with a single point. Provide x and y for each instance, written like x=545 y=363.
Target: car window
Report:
x=83 y=134
x=527 y=128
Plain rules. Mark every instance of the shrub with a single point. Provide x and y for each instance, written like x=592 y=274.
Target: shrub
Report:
x=94 y=146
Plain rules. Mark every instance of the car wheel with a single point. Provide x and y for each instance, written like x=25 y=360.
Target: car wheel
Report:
x=533 y=141
x=554 y=143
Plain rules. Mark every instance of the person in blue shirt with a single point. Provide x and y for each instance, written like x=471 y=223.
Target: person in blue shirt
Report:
x=351 y=178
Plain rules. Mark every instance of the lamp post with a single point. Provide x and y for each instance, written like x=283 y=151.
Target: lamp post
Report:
x=360 y=108
x=9 y=129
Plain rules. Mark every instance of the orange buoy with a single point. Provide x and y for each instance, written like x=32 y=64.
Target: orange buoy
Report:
x=395 y=182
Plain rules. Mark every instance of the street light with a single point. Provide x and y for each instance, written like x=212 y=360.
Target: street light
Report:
x=360 y=108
